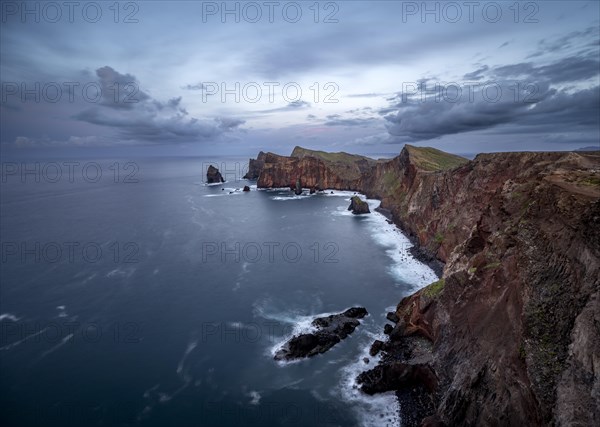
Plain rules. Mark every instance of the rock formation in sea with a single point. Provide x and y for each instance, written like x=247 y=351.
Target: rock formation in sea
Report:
x=213 y=175
x=509 y=334
x=358 y=207
x=298 y=187
x=246 y=188
x=329 y=331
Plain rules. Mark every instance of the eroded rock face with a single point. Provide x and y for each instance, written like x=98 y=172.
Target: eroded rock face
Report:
x=358 y=207
x=213 y=175
x=513 y=324
x=255 y=166
x=520 y=235
x=330 y=330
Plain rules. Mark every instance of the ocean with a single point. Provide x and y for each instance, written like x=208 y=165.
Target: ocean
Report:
x=134 y=294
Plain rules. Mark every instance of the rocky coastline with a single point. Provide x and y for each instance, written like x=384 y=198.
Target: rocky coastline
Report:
x=509 y=334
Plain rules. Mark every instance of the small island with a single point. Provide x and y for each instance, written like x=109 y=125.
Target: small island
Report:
x=213 y=176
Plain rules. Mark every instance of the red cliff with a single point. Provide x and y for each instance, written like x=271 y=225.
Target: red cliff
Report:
x=513 y=324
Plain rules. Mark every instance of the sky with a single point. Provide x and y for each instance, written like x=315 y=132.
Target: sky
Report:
x=204 y=78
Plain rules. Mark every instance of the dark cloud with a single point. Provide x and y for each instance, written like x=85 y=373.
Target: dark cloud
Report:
x=477 y=74
x=120 y=91
x=298 y=104
x=521 y=98
x=588 y=37
x=197 y=86
x=292 y=106
x=570 y=69
x=148 y=119
x=229 y=123
x=337 y=121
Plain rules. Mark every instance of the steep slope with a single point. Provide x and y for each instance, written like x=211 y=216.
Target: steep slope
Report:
x=513 y=326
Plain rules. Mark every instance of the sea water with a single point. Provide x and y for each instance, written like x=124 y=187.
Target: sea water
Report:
x=146 y=297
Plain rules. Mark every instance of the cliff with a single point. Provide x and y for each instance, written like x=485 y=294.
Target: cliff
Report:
x=314 y=169
x=255 y=166
x=511 y=331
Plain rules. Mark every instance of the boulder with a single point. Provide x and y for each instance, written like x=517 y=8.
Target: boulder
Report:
x=246 y=188
x=392 y=317
x=375 y=348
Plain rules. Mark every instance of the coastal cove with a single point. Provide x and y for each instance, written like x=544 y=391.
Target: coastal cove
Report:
x=508 y=334
x=193 y=322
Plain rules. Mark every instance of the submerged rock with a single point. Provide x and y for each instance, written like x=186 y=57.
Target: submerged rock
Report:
x=246 y=188
x=330 y=330
x=357 y=206
x=213 y=175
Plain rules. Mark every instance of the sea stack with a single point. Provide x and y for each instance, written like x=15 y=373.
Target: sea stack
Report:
x=298 y=189
x=358 y=207
x=213 y=175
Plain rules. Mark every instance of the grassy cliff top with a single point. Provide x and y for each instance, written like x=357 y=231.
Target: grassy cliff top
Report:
x=431 y=159
x=340 y=157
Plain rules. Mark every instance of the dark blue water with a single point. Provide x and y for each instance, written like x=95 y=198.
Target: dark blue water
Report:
x=146 y=298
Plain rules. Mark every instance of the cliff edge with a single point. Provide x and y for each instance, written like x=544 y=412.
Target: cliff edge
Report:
x=510 y=334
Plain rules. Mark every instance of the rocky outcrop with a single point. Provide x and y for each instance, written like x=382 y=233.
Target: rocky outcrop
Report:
x=329 y=331
x=358 y=207
x=213 y=175
x=246 y=188
x=520 y=237
x=316 y=169
x=255 y=166
x=510 y=332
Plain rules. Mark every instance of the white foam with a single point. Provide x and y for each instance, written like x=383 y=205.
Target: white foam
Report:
x=373 y=411
x=8 y=316
x=190 y=347
x=57 y=346
x=16 y=343
x=340 y=193
x=342 y=211
x=291 y=197
x=117 y=272
x=254 y=397
x=227 y=191
x=405 y=268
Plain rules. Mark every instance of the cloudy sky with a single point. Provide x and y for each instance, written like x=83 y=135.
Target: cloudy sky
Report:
x=194 y=78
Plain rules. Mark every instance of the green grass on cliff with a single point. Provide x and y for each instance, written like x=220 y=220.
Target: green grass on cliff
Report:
x=431 y=159
x=434 y=289
x=340 y=157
